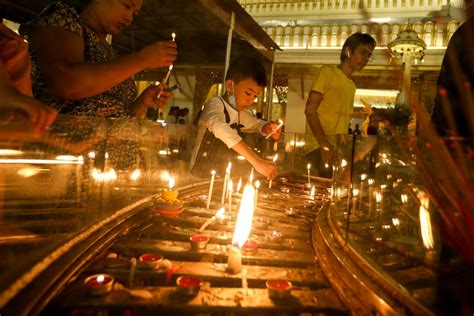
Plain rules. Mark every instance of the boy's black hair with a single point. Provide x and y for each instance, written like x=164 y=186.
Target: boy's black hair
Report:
x=355 y=40
x=243 y=68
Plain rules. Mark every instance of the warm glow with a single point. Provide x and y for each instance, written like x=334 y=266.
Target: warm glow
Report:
x=163 y=152
x=404 y=198
x=165 y=175
x=363 y=177
x=355 y=192
x=308 y=166
x=275 y=158
x=371 y=181
x=136 y=174
x=251 y=176
x=104 y=176
x=343 y=163
x=220 y=212
x=171 y=182
x=229 y=166
x=213 y=172
x=241 y=158
x=91 y=154
x=100 y=278
x=28 y=172
x=10 y=152
x=425 y=221
x=244 y=217
x=257 y=184
x=378 y=197
x=231 y=186
x=396 y=222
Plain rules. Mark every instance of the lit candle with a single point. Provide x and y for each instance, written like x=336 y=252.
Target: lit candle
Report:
x=106 y=164
x=308 y=167
x=91 y=160
x=274 y=160
x=243 y=227
x=275 y=130
x=425 y=221
x=251 y=176
x=165 y=81
x=312 y=193
x=378 y=201
x=231 y=188
x=257 y=186
x=371 y=195
x=239 y=185
x=211 y=187
x=355 y=193
x=220 y=213
x=226 y=180
x=173 y=36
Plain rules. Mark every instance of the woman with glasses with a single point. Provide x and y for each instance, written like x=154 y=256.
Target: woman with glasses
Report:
x=330 y=103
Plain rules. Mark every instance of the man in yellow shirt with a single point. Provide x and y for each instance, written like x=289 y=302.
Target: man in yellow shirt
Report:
x=330 y=102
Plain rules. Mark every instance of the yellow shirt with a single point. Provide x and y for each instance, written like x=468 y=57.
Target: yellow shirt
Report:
x=336 y=106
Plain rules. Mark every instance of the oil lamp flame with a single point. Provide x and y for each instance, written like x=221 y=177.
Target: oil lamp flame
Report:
x=171 y=182
x=136 y=174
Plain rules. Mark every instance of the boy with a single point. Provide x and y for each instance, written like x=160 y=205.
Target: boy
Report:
x=223 y=118
x=331 y=100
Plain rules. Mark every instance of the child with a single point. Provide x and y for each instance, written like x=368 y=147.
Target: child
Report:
x=330 y=102
x=15 y=83
x=223 y=119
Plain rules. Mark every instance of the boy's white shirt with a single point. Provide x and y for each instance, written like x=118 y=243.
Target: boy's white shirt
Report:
x=213 y=118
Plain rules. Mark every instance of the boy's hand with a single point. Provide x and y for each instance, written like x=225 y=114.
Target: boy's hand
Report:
x=271 y=128
x=266 y=168
x=149 y=96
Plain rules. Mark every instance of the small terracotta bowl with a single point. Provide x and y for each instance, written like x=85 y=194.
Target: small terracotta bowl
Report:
x=99 y=284
x=279 y=288
x=199 y=242
x=150 y=260
x=188 y=285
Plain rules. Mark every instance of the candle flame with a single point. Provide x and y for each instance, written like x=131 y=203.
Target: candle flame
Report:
x=91 y=154
x=378 y=197
x=171 y=183
x=100 y=278
x=363 y=177
x=396 y=222
x=239 y=185
x=343 y=163
x=220 y=212
x=355 y=192
x=308 y=166
x=257 y=184
x=251 y=176
x=136 y=174
x=170 y=67
x=425 y=221
x=213 y=172
x=244 y=217
x=165 y=175
x=173 y=36
x=311 y=194
x=404 y=198
x=104 y=176
x=275 y=158
x=229 y=166
x=371 y=181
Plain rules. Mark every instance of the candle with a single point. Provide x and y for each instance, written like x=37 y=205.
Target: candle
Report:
x=226 y=179
x=308 y=167
x=243 y=227
x=355 y=193
x=165 y=80
x=231 y=188
x=371 y=195
x=106 y=164
x=312 y=193
x=170 y=195
x=99 y=284
x=275 y=130
x=257 y=186
x=211 y=186
x=274 y=160
x=378 y=201
x=173 y=36
x=251 y=176
x=361 y=190
x=234 y=262
x=220 y=213
x=239 y=185
x=91 y=160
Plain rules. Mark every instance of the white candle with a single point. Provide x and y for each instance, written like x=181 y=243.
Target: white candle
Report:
x=239 y=185
x=371 y=195
x=231 y=188
x=226 y=180
x=309 y=174
x=257 y=186
x=106 y=164
x=211 y=186
x=219 y=213
x=91 y=160
x=275 y=130
x=234 y=261
x=312 y=193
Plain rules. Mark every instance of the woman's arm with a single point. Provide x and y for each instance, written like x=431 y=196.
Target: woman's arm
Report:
x=60 y=56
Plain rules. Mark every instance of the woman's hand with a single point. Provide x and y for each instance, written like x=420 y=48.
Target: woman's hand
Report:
x=156 y=96
x=271 y=128
x=158 y=55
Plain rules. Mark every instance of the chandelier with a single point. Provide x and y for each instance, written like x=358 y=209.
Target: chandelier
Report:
x=407 y=46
